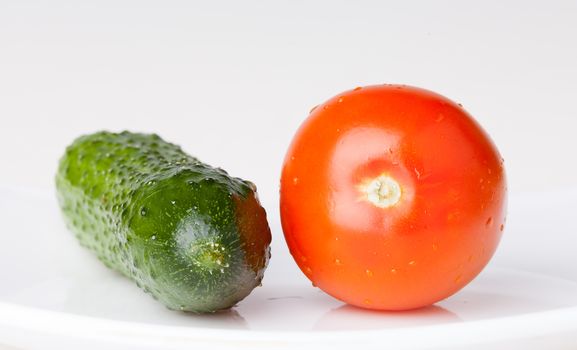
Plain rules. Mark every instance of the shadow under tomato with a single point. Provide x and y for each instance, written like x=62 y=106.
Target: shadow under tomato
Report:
x=347 y=317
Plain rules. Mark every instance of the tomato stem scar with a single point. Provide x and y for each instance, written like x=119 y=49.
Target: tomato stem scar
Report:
x=382 y=191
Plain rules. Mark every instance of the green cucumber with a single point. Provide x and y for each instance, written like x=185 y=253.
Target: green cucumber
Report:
x=189 y=234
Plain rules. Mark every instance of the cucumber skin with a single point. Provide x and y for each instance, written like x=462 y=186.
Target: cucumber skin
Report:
x=189 y=234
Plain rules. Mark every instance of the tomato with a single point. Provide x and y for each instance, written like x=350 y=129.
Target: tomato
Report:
x=392 y=197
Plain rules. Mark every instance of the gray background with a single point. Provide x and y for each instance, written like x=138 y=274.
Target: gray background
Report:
x=231 y=81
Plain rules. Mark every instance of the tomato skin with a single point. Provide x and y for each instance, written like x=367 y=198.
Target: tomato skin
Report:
x=444 y=227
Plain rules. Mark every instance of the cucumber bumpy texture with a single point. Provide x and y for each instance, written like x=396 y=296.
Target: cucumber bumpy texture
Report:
x=189 y=234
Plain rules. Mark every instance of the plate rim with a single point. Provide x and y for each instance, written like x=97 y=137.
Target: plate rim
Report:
x=58 y=323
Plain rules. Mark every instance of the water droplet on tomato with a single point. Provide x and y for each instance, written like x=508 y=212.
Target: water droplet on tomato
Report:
x=453 y=216
x=340 y=100
x=295 y=180
x=393 y=270
x=357 y=88
x=412 y=263
x=369 y=273
x=338 y=261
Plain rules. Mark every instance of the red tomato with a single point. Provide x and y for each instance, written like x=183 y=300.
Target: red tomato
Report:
x=392 y=197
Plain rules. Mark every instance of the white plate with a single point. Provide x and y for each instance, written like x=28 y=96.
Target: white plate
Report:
x=56 y=295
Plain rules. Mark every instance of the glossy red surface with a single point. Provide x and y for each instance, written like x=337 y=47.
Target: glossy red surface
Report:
x=438 y=236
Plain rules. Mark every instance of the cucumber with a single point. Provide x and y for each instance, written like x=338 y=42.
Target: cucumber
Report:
x=189 y=234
